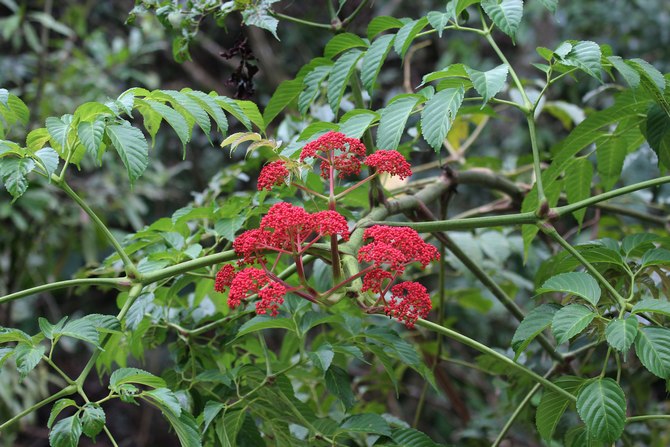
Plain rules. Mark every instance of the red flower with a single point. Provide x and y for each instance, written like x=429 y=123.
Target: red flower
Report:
x=397 y=247
x=328 y=223
x=389 y=161
x=291 y=225
x=224 y=278
x=271 y=297
x=246 y=283
x=272 y=174
x=251 y=244
x=409 y=302
x=344 y=153
x=374 y=281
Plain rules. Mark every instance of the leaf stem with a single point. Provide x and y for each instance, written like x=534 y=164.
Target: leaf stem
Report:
x=67 y=391
x=279 y=15
x=115 y=282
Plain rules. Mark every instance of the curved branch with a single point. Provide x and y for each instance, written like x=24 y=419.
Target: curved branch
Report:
x=114 y=282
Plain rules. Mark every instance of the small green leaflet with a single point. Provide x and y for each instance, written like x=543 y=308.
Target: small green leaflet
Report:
x=393 y=119
x=366 y=423
x=575 y=283
x=532 y=325
x=438 y=20
x=134 y=375
x=312 y=83
x=578 y=185
x=90 y=134
x=342 y=42
x=374 y=58
x=488 y=83
x=92 y=419
x=13 y=172
x=602 y=406
x=570 y=321
x=506 y=14
x=655 y=256
x=338 y=383
x=621 y=333
x=58 y=407
x=27 y=357
x=553 y=405
x=657 y=132
x=584 y=55
x=283 y=96
x=354 y=123
x=630 y=75
x=406 y=35
x=652 y=347
x=382 y=23
x=66 y=432
x=339 y=77
x=131 y=146
x=652 y=305
x=322 y=357
x=412 y=437
x=438 y=115
x=260 y=322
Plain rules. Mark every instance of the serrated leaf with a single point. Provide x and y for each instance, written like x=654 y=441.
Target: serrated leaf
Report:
x=59 y=129
x=90 y=134
x=37 y=138
x=165 y=399
x=356 y=122
x=374 y=59
x=339 y=77
x=620 y=334
x=286 y=92
x=575 y=283
x=652 y=305
x=66 y=432
x=342 y=42
x=228 y=227
x=571 y=321
x=578 y=185
x=655 y=256
x=175 y=119
x=191 y=109
x=601 y=404
x=438 y=20
x=92 y=419
x=210 y=106
x=27 y=357
x=17 y=335
x=382 y=23
x=19 y=109
x=57 y=408
x=366 y=423
x=134 y=375
x=438 y=115
x=393 y=119
x=652 y=347
x=406 y=437
x=312 y=83
x=488 y=83
x=211 y=410
x=261 y=322
x=632 y=242
x=131 y=146
x=251 y=111
x=629 y=74
x=610 y=154
x=231 y=106
x=322 y=357
x=229 y=427
x=646 y=70
x=536 y=321
x=506 y=14
x=338 y=383
x=14 y=171
x=586 y=56
x=553 y=405
x=186 y=428
x=259 y=14
x=406 y=35
x=657 y=132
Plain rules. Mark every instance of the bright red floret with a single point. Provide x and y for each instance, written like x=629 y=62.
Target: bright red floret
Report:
x=409 y=302
x=344 y=153
x=374 y=281
x=224 y=278
x=329 y=223
x=272 y=296
x=272 y=174
x=396 y=247
x=247 y=282
x=390 y=161
x=251 y=245
x=288 y=224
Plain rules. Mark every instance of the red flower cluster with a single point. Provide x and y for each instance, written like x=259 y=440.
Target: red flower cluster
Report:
x=409 y=302
x=390 y=161
x=342 y=153
x=273 y=174
x=396 y=247
x=247 y=282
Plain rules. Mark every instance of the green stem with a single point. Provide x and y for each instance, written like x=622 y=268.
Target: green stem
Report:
x=353 y=15
x=466 y=224
x=183 y=267
x=646 y=417
x=536 y=161
x=515 y=415
x=551 y=232
x=501 y=358
x=115 y=282
x=67 y=391
x=517 y=82
x=131 y=269
x=279 y=15
x=109 y=436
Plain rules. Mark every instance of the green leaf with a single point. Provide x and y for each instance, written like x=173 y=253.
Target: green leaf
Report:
x=66 y=432
x=652 y=347
x=586 y=56
x=165 y=399
x=231 y=106
x=652 y=305
x=261 y=322
x=393 y=119
x=17 y=335
x=133 y=375
x=536 y=321
x=210 y=106
x=342 y=42
x=578 y=185
x=551 y=5
x=228 y=429
x=438 y=20
x=212 y=410
x=570 y=321
x=439 y=114
x=602 y=406
x=355 y=122
x=406 y=35
x=366 y=423
x=131 y=146
x=175 y=119
x=92 y=419
x=630 y=75
x=459 y=6
x=322 y=357
x=37 y=138
x=620 y=334
x=339 y=77
x=19 y=109
x=58 y=407
x=575 y=283
x=633 y=242
x=285 y=93
x=553 y=405
x=91 y=111
x=656 y=256
x=610 y=154
x=312 y=83
x=409 y=437
x=251 y=111
x=488 y=83
x=191 y=109
x=374 y=59
x=14 y=171
x=338 y=383
x=382 y=23
x=506 y=14
x=48 y=158
x=90 y=135
x=228 y=227
x=185 y=426
x=657 y=132
x=27 y=357
x=59 y=128
x=259 y=14
x=648 y=71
